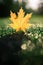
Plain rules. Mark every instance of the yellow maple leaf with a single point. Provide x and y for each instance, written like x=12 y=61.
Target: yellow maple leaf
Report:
x=20 y=22
x=21 y=13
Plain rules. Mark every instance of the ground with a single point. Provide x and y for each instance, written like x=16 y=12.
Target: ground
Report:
x=26 y=59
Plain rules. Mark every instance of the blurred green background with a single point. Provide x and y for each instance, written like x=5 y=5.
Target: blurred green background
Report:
x=27 y=58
